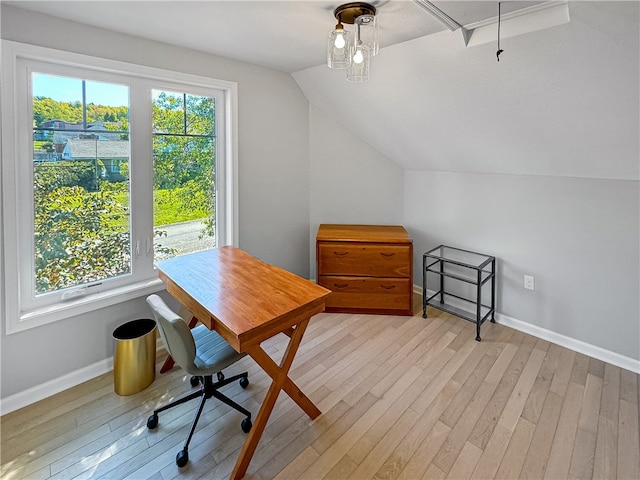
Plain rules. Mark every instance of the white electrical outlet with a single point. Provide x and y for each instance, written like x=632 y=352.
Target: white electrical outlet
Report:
x=529 y=282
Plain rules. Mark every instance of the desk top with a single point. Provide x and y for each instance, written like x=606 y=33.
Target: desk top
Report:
x=244 y=299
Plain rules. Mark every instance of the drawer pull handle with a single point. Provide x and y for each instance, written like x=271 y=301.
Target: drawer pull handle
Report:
x=341 y=254
x=388 y=287
x=387 y=254
x=340 y=285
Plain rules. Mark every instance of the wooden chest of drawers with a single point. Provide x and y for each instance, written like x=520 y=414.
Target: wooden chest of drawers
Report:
x=369 y=268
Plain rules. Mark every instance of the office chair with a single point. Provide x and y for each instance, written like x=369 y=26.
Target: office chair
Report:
x=201 y=353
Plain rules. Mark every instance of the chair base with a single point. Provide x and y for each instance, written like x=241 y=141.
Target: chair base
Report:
x=208 y=390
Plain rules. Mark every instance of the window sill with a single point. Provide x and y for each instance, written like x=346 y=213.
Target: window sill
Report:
x=88 y=303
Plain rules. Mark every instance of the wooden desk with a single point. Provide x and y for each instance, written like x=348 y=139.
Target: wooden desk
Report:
x=248 y=301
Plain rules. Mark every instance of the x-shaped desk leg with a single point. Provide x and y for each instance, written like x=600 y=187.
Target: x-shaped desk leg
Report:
x=280 y=381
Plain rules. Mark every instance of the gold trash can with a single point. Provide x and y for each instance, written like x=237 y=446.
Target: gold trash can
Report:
x=134 y=360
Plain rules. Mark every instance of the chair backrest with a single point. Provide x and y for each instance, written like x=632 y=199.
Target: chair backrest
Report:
x=174 y=332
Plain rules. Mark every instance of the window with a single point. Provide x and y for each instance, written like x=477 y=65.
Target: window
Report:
x=107 y=167
x=81 y=206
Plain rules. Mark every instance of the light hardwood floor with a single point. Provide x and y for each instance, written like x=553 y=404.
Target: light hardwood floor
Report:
x=402 y=398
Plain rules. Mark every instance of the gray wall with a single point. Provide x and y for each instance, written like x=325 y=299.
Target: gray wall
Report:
x=578 y=237
x=350 y=181
x=273 y=178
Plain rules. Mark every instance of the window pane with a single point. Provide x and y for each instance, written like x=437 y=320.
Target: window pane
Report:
x=200 y=115
x=184 y=169
x=81 y=181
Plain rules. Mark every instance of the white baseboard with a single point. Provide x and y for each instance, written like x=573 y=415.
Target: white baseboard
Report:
x=57 y=385
x=579 y=346
x=571 y=343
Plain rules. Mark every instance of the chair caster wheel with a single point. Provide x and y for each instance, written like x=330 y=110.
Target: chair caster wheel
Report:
x=244 y=382
x=182 y=458
x=246 y=425
x=152 y=422
x=195 y=381
x=220 y=376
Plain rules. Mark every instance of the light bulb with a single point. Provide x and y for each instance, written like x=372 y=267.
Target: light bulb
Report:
x=340 y=42
x=358 y=57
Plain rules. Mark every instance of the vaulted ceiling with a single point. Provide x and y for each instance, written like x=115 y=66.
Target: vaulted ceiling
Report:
x=287 y=35
x=563 y=100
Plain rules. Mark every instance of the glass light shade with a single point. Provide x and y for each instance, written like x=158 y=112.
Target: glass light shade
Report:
x=339 y=48
x=358 y=72
x=367 y=32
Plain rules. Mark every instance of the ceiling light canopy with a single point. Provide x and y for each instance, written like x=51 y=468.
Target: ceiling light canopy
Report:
x=353 y=51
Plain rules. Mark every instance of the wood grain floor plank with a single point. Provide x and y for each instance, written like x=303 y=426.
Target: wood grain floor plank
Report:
x=419 y=462
x=538 y=395
x=460 y=433
x=628 y=463
x=610 y=400
x=372 y=457
x=580 y=369
x=605 y=462
x=596 y=367
x=491 y=457
x=396 y=462
x=466 y=462
x=516 y=452
x=469 y=388
x=333 y=454
x=564 y=439
x=536 y=462
x=563 y=373
x=274 y=456
x=433 y=473
x=585 y=444
x=489 y=418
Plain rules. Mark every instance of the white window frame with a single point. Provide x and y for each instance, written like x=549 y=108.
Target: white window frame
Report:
x=16 y=169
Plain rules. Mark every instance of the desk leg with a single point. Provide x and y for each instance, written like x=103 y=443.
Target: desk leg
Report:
x=281 y=381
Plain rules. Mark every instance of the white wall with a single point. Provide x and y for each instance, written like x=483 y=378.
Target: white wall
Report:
x=350 y=181
x=273 y=177
x=578 y=237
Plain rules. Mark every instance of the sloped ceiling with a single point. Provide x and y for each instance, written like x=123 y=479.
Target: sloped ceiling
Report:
x=562 y=101
x=287 y=35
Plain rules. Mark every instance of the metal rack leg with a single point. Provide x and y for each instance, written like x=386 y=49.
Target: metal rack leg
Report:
x=478 y=306
x=493 y=291
x=424 y=287
x=441 y=281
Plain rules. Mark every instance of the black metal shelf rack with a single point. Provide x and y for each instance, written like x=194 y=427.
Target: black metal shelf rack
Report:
x=464 y=266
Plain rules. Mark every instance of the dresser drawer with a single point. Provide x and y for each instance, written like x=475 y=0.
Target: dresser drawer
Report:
x=373 y=260
x=367 y=294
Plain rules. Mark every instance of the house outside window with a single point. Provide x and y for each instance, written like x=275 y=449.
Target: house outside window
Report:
x=125 y=165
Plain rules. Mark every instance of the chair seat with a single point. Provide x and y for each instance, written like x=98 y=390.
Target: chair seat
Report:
x=213 y=353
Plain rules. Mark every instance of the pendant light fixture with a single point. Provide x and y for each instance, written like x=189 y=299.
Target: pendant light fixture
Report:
x=353 y=51
x=339 y=48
